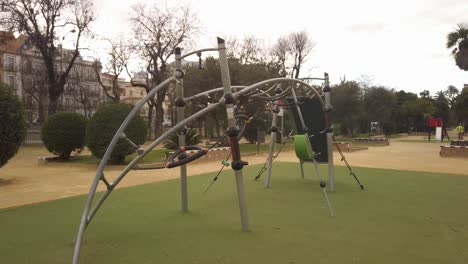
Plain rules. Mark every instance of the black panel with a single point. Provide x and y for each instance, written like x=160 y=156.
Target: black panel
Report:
x=314 y=119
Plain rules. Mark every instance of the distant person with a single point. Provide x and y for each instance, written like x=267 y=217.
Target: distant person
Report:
x=461 y=131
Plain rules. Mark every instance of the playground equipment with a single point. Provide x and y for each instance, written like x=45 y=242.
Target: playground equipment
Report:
x=180 y=158
x=314 y=139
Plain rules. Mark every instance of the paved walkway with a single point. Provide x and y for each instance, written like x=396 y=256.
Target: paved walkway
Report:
x=22 y=181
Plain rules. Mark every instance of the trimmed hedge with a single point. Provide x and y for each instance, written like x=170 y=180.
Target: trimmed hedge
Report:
x=63 y=133
x=104 y=124
x=12 y=124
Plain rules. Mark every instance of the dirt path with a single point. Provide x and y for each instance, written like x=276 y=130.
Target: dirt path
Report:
x=24 y=182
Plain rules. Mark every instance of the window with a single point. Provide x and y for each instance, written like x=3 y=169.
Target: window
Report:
x=10 y=64
x=67 y=103
x=11 y=81
x=28 y=84
x=90 y=74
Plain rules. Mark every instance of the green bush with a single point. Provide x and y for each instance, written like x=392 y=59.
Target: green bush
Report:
x=250 y=132
x=63 y=133
x=191 y=138
x=12 y=124
x=104 y=124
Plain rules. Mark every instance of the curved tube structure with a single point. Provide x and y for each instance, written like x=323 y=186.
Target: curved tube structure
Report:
x=90 y=211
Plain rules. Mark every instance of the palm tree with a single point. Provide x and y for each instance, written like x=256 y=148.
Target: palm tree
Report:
x=458 y=41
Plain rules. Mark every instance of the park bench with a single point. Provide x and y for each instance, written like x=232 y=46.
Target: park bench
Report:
x=453 y=151
x=383 y=141
x=462 y=143
x=344 y=146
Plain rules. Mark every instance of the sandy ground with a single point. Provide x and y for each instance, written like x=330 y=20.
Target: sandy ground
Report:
x=23 y=181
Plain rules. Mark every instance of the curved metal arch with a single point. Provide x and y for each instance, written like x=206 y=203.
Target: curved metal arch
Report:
x=88 y=212
x=215 y=90
x=274 y=80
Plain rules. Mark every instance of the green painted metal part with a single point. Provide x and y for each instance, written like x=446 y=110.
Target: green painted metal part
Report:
x=300 y=146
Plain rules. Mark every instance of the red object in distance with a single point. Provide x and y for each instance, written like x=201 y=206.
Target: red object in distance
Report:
x=435 y=122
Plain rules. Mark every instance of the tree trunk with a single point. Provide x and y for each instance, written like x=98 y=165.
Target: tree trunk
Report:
x=150 y=121
x=159 y=118
x=53 y=105
x=40 y=110
x=159 y=112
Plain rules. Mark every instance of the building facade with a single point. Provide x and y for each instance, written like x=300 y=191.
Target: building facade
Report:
x=22 y=68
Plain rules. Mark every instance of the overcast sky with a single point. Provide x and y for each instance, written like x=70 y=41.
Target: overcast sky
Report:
x=397 y=43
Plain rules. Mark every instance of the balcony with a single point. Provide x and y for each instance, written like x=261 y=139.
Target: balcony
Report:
x=11 y=68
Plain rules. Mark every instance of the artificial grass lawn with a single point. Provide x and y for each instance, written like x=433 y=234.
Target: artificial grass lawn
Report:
x=403 y=217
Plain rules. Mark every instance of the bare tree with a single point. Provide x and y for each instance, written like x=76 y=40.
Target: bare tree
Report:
x=119 y=55
x=292 y=50
x=46 y=23
x=280 y=52
x=300 y=45
x=81 y=92
x=158 y=32
x=34 y=84
x=250 y=50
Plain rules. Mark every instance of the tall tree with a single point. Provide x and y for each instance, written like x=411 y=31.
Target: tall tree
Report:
x=457 y=40
x=291 y=52
x=280 y=52
x=451 y=93
x=348 y=107
x=380 y=104
x=442 y=107
x=34 y=84
x=425 y=94
x=46 y=23
x=119 y=53
x=461 y=106
x=300 y=45
x=159 y=30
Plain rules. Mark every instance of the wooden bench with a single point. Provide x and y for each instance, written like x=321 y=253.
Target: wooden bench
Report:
x=344 y=146
x=381 y=141
x=453 y=151
x=462 y=143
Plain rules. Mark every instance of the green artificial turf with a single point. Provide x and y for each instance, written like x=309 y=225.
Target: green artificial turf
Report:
x=403 y=217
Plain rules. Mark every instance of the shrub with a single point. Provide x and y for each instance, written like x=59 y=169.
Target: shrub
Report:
x=250 y=132
x=104 y=124
x=12 y=124
x=191 y=138
x=63 y=133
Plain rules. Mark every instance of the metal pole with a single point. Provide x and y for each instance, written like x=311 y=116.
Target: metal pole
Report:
x=274 y=129
x=233 y=133
x=328 y=108
x=180 y=104
x=322 y=182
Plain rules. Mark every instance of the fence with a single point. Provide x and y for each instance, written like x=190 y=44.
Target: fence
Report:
x=35 y=118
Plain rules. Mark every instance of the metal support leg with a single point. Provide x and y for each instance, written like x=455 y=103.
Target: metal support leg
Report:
x=274 y=130
x=233 y=134
x=323 y=184
x=180 y=104
x=323 y=187
x=331 y=172
x=301 y=164
x=242 y=203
